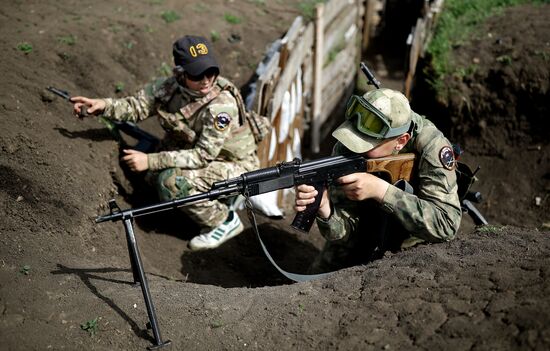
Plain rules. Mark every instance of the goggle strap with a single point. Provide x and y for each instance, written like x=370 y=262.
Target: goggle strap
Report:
x=393 y=132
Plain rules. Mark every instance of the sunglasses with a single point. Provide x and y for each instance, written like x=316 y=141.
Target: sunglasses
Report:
x=209 y=73
x=370 y=120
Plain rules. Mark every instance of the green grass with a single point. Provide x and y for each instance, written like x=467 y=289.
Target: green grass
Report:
x=307 y=8
x=504 y=59
x=200 y=8
x=545 y=55
x=24 y=47
x=26 y=269
x=459 y=21
x=258 y=2
x=170 y=16
x=214 y=35
x=216 y=324
x=119 y=87
x=67 y=39
x=149 y=29
x=229 y=18
x=165 y=70
x=491 y=229
x=90 y=326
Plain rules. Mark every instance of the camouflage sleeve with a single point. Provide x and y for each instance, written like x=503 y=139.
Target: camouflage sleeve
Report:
x=339 y=225
x=433 y=213
x=132 y=108
x=219 y=117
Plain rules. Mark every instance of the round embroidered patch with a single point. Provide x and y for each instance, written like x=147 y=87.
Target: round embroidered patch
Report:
x=447 y=157
x=222 y=121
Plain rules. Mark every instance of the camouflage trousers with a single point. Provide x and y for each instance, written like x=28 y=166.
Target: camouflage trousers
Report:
x=175 y=183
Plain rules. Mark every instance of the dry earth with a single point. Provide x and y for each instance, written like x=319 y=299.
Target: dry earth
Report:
x=487 y=290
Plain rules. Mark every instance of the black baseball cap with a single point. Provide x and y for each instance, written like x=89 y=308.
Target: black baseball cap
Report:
x=194 y=55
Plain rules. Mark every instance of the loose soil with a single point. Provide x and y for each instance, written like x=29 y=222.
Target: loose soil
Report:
x=487 y=290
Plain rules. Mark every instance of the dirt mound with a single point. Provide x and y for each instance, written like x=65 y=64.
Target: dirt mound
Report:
x=61 y=274
x=495 y=107
x=500 y=101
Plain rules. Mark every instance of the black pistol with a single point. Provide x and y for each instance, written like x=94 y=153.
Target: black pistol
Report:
x=65 y=95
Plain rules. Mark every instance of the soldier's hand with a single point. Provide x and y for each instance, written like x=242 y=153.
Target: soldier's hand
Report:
x=137 y=161
x=305 y=195
x=361 y=186
x=84 y=106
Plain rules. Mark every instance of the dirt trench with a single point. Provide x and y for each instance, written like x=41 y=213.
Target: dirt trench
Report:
x=65 y=282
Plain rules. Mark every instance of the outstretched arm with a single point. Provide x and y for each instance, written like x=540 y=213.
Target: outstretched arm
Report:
x=91 y=106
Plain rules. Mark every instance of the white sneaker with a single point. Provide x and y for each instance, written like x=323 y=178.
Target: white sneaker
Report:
x=214 y=238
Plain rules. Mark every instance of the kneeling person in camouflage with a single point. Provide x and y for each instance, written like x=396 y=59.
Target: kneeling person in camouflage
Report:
x=206 y=139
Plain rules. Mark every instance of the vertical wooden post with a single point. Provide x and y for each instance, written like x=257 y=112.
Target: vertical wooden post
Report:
x=367 y=24
x=317 y=79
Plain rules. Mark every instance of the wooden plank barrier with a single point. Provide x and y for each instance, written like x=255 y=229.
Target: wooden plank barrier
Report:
x=314 y=65
x=304 y=80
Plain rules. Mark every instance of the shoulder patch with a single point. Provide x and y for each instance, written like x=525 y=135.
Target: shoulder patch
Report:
x=447 y=158
x=222 y=121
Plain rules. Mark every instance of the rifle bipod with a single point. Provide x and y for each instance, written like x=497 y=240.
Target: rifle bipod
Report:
x=139 y=277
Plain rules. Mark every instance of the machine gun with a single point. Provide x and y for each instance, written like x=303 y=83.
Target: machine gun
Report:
x=319 y=173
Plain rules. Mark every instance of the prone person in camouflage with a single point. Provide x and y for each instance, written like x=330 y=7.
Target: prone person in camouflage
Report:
x=206 y=138
x=365 y=216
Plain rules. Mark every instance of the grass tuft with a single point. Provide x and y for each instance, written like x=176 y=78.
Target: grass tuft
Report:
x=24 y=47
x=170 y=16
x=458 y=22
x=229 y=18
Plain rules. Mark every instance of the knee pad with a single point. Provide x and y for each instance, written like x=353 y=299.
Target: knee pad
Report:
x=172 y=186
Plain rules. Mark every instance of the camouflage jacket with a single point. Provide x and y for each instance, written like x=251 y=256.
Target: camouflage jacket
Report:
x=432 y=213
x=199 y=129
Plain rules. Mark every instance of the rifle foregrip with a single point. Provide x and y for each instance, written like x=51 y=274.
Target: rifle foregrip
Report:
x=303 y=221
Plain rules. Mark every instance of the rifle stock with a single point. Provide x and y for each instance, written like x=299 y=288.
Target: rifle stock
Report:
x=395 y=167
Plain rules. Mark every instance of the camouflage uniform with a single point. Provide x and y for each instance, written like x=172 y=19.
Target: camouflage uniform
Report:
x=205 y=141
x=359 y=231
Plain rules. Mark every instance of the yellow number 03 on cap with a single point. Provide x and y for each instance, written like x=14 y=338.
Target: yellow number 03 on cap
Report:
x=199 y=49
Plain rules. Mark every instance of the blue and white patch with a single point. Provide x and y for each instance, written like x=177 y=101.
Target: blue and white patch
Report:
x=222 y=121
x=447 y=158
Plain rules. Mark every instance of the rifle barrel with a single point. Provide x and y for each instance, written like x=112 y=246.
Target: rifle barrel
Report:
x=168 y=205
x=370 y=77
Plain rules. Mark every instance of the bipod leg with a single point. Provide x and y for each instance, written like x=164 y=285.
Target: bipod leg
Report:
x=137 y=268
x=132 y=246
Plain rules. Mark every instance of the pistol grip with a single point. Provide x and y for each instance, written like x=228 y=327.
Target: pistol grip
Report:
x=304 y=219
x=83 y=111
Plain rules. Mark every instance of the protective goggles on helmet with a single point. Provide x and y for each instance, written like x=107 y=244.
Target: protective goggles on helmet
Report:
x=370 y=120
